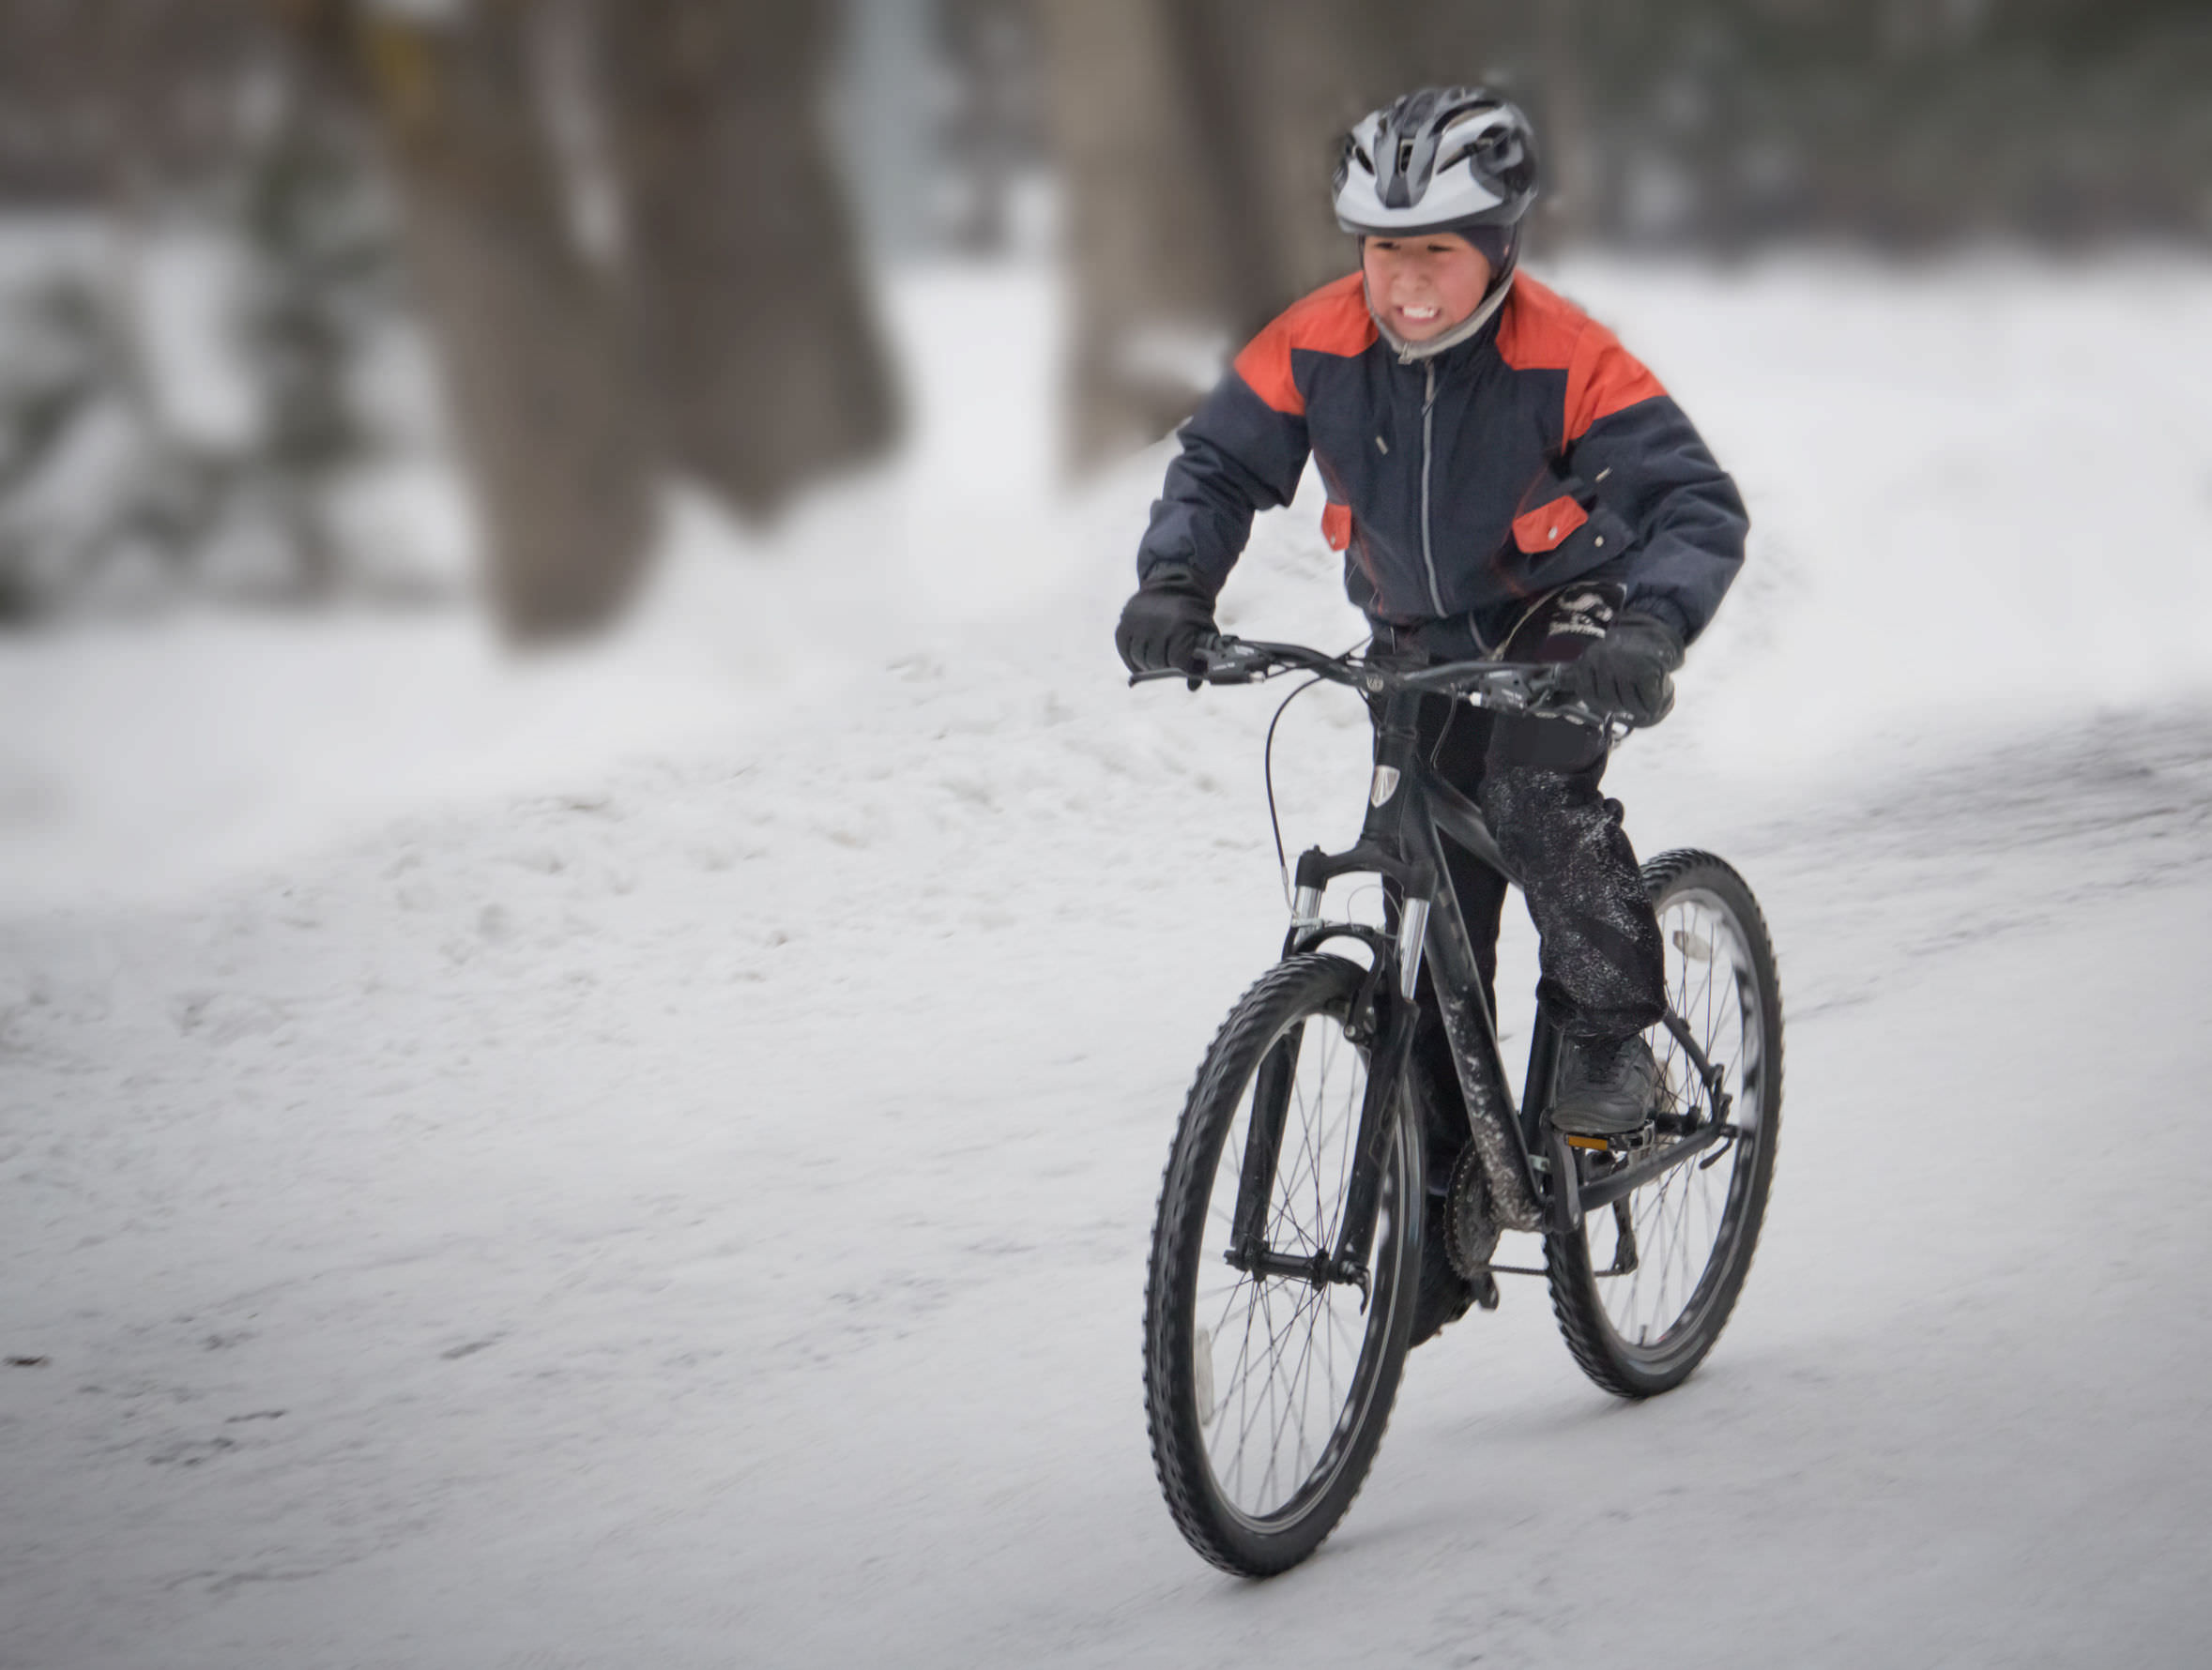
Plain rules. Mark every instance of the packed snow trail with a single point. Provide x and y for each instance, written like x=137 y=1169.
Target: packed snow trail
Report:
x=524 y=1241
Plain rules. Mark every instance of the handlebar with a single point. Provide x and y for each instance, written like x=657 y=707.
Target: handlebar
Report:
x=1535 y=690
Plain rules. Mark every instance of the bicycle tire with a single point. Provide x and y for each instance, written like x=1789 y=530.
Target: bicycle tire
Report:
x=1192 y=1299
x=1620 y=1323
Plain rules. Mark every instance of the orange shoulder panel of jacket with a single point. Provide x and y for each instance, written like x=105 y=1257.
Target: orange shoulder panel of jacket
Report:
x=1542 y=330
x=1539 y=328
x=1332 y=320
x=1604 y=378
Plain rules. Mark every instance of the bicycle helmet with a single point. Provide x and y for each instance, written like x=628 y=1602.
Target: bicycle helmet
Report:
x=1438 y=160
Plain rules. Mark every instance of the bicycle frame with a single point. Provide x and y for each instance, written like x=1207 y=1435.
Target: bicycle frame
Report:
x=1268 y=1385
x=1534 y=1180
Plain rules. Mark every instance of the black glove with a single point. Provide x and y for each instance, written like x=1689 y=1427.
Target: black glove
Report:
x=1167 y=624
x=1627 y=671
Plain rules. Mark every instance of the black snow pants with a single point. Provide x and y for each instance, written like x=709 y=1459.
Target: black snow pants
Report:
x=1536 y=780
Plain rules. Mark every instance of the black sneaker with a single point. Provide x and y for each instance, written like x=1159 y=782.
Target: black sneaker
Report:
x=1607 y=1086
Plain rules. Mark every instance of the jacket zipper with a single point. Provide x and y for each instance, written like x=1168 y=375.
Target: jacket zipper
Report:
x=1427 y=457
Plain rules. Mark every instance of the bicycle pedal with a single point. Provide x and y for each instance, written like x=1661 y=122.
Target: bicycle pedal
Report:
x=1625 y=1141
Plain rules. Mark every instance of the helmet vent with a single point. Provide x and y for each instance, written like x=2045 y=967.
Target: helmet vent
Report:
x=1444 y=159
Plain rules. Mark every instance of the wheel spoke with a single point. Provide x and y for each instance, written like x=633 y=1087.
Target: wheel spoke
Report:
x=1295 y=1376
x=1290 y=1357
x=1680 y=1226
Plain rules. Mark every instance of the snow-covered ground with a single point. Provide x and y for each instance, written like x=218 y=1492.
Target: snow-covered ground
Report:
x=647 y=1157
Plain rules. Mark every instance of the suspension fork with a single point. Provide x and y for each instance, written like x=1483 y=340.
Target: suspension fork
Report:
x=1263 y=1146
x=1382 y=1017
x=1389 y=1053
x=1380 y=1113
x=1394 y=982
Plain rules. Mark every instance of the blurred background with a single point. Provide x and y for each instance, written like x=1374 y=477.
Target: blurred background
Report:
x=404 y=400
x=317 y=303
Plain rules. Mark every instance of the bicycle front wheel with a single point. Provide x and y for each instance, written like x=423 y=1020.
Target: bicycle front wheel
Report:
x=1268 y=1377
x=1644 y=1289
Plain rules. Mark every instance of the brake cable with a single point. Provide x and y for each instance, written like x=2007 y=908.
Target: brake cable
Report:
x=1267 y=767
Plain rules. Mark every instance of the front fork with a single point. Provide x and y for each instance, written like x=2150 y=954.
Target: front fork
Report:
x=1387 y=1021
x=1378 y=1118
x=1383 y=1017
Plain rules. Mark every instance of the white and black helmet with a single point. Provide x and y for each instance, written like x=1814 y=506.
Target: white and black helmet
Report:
x=1438 y=160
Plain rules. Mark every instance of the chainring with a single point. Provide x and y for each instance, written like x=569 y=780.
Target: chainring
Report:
x=1471 y=1225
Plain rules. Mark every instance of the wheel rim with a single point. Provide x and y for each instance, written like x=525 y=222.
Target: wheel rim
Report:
x=1686 y=1225
x=1283 y=1370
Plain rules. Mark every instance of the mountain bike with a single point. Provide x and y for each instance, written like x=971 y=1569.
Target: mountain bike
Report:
x=1299 y=1234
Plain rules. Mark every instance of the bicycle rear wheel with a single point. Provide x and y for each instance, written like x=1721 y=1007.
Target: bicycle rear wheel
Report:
x=1267 y=1391
x=1642 y=1291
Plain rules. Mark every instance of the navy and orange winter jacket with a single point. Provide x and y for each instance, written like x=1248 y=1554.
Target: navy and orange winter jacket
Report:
x=1464 y=485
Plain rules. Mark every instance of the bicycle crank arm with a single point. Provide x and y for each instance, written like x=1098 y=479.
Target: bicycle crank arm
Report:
x=1619 y=1185
x=1712 y=1076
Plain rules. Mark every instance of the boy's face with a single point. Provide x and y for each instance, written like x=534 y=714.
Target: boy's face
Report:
x=1423 y=286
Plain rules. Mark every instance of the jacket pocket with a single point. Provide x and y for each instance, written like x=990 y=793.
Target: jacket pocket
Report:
x=1337 y=526
x=1542 y=529
x=1570 y=532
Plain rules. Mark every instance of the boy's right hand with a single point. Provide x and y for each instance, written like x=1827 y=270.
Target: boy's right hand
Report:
x=1630 y=670
x=1166 y=625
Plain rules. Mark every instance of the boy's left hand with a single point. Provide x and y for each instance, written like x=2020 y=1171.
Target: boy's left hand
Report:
x=1628 y=671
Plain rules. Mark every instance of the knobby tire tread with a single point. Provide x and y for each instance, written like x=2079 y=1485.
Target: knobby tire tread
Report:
x=1295 y=986
x=1575 y=1303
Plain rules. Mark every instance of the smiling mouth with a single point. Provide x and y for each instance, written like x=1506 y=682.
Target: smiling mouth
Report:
x=1419 y=315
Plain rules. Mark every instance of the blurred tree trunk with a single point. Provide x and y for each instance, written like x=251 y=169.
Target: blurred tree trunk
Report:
x=992 y=48
x=1294 y=76
x=538 y=384
x=1143 y=240
x=1197 y=139
x=1565 y=153
x=762 y=363
x=170 y=78
x=57 y=64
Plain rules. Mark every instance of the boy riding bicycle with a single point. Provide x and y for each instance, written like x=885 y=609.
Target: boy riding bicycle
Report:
x=1505 y=482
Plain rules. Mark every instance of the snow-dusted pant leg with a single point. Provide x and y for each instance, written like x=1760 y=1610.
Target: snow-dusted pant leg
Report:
x=1602 y=974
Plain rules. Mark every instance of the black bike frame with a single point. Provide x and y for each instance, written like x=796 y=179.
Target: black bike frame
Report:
x=1410 y=811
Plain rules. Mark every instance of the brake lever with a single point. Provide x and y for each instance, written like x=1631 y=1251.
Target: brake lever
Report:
x=1224 y=665
x=1527 y=698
